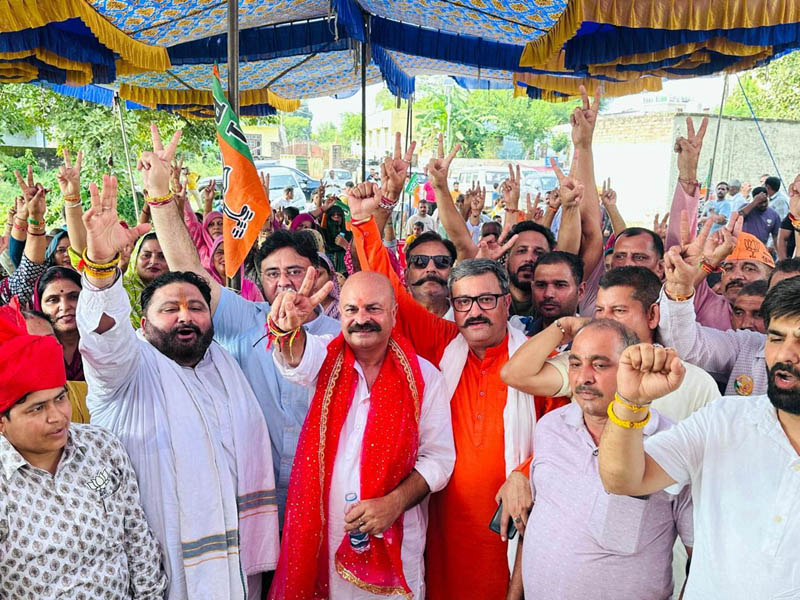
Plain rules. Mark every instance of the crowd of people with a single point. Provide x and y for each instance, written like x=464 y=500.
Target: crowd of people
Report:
x=553 y=406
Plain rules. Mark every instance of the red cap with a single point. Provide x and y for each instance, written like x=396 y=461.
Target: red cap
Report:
x=28 y=363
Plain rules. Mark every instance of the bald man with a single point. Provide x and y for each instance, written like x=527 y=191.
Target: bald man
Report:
x=377 y=436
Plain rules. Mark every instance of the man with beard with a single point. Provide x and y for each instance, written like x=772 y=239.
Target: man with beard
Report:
x=749 y=261
x=735 y=358
x=533 y=242
x=719 y=210
x=742 y=460
x=381 y=414
x=281 y=262
x=558 y=287
x=181 y=406
x=429 y=259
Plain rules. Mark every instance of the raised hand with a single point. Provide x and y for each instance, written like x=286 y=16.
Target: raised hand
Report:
x=584 y=118
x=554 y=201
x=510 y=188
x=291 y=309
x=688 y=150
x=155 y=165
x=476 y=197
x=794 y=197
x=719 y=245
x=647 y=372
x=494 y=250
x=210 y=191
x=105 y=236
x=394 y=170
x=608 y=196
x=532 y=212
x=36 y=206
x=570 y=192
x=660 y=227
x=28 y=186
x=363 y=200
x=175 y=168
x=69 y=176
x=264 y=183
x=438 y=168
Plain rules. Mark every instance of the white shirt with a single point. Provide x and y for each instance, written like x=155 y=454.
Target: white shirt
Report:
x=745 y=479
x=427 y=223
x=127 y=396
x=696 y=390
x=435 y=459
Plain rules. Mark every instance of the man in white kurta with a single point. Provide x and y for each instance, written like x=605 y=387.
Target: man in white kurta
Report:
x=436 y=456
x=368 y=308
x=189 y=431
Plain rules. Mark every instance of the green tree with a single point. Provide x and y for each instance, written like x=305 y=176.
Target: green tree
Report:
x=78 y=125
x=297 y=128
x=773 y=90
x=559 y=142
x=480 y=120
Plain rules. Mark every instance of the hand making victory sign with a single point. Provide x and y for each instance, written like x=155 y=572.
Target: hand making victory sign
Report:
x=438 y=168
x=155 y=165
x=105 y=236
x=69 y=176
x=394 y=171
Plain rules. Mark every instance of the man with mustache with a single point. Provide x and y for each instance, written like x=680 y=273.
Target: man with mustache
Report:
x=557 y=286
x=749 y=261
x=71 y=519
x=742 y=459
x=735 y=358
x=180 y=405
x=492 y=423
x=579 y=541
x=747 y=307
x=429 y=259
x=379 y=418
x=281 y=261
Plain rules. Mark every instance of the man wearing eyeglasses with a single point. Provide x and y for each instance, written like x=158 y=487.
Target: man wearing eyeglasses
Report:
x=429 y=259
x=492 y=423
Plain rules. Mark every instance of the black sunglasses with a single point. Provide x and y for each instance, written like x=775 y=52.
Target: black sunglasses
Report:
x=440 y=261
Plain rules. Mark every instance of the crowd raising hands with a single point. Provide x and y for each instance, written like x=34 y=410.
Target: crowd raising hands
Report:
x=493 y=406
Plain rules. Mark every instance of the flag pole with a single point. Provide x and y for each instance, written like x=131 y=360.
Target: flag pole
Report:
x=118 y=104
x=235 y=282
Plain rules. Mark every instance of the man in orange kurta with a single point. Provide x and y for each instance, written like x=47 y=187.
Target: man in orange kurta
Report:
x=464 y=559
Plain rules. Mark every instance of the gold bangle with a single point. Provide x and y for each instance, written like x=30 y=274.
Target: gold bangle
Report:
x=626 y=424
x=631 y=407
x=99 y=274
x=100 y=266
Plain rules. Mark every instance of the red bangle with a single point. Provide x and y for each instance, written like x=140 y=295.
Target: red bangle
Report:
x=706 y=266
x=19 y=228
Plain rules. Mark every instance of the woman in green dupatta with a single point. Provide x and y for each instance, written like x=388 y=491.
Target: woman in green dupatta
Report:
x=147 y=262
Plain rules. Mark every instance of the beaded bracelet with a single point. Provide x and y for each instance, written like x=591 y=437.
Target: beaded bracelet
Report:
x=386 y=203
x=626 y=424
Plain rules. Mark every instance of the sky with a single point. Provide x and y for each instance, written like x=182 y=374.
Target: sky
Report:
x=705 y=92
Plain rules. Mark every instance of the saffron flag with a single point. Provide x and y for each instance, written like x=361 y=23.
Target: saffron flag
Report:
x=245 y=207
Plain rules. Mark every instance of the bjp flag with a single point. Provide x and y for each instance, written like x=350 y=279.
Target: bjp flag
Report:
x=245 y=206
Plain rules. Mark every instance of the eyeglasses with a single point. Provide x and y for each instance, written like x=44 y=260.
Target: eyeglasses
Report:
x=420 y=261
x=485 y=302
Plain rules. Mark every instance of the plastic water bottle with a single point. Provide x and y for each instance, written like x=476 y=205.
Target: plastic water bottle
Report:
x=359 y=541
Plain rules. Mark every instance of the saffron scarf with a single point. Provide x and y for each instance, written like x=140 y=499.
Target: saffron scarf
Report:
x=389 y=452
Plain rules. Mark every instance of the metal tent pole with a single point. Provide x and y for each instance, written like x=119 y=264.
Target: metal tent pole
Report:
x=363 y=111
x=234 y=282
x=118 y=105
x=716 y=138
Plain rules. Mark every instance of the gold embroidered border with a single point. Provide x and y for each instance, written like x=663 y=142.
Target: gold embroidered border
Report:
x=373 y=589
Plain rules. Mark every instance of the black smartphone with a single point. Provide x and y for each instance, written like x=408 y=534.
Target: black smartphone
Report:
x=494 y=524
